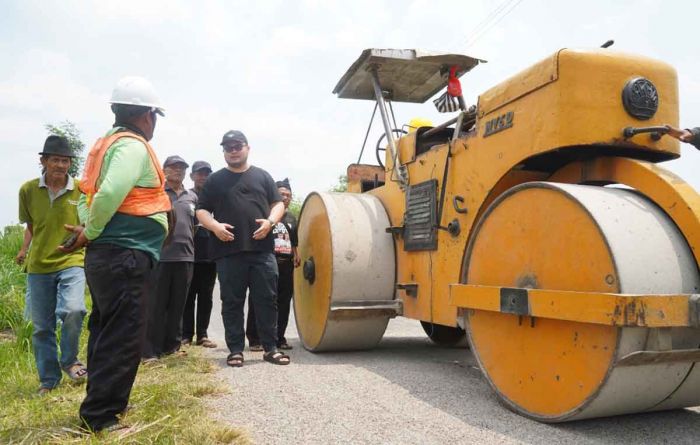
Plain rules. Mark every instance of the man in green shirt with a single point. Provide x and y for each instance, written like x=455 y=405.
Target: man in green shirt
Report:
x=125 y=225
x=56 y=280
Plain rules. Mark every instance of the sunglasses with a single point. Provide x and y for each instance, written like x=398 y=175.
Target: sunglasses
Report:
x=228 y=148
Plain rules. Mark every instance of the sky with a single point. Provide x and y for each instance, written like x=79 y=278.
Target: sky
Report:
x=268 y=68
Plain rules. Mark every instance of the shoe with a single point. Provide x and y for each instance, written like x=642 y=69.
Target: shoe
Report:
x=255 y=348
x=76 y=372
x=44 y=391
x=276 y=358
x=176 y=353
x=205 y=342
x=149 y=360
x=186 y=342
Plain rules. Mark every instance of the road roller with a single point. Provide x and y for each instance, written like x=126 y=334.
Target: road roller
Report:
x=536 y=224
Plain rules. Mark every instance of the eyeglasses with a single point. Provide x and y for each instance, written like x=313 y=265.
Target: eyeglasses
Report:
x=228 y=148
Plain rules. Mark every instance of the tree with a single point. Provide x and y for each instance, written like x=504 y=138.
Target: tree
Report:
x=295 y=207
x=342 y=185
x=70 y=132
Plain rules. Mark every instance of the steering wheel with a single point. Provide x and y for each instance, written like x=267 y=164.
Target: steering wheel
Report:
x=378 y=148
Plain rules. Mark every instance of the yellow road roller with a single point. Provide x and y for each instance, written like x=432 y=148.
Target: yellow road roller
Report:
x=536 y=224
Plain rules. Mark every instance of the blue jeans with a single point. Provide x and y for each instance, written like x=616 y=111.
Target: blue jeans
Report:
x=238 y=273
x=56 y=296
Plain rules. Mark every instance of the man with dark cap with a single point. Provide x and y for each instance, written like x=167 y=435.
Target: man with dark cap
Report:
x=286 y=242
x=55 y=281
x=173 y=273
x=246 y=206
x=126 y=221
x=204 y=275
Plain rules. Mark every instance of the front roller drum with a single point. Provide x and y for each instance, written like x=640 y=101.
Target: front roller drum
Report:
x=344 y=291
x=580 y=238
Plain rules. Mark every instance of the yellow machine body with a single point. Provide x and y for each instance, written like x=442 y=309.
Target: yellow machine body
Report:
x=569 y=100
x=560 y=121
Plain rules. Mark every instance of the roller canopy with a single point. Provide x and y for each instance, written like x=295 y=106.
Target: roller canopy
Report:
x=408 y=75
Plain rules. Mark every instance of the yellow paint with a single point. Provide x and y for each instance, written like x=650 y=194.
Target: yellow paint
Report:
x=653 y=311
x=553 y=366
x=312 y=301
x=568 y=103
x=572 y=98
x=676 y=197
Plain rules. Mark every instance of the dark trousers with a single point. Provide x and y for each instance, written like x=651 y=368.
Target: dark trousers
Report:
x=170 y=284
x=285 y=291
x=118 y=279
x=255 y=272
x=201 y=291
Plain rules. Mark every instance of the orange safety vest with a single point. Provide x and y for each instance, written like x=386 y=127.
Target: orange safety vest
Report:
x=141 y=201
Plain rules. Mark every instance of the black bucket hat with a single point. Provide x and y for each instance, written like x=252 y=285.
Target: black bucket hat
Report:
x=57 y=145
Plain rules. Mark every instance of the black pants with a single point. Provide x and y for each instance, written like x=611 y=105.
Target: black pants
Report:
x=118 y=279
x=201 y=291
x=285 y=291
x=170 y=282
x=257 y=272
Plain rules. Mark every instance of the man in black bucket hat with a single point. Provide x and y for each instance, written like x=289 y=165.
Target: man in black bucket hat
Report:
x=55 y=280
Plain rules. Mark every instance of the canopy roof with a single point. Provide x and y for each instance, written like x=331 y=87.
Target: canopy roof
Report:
x=408 y=75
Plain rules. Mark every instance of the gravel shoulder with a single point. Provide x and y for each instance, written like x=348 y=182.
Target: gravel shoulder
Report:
x=406 y=391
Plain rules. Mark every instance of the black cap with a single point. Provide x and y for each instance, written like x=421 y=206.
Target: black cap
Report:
x=284 y=183
x=234 y=136
x=201 y=165
x=171 y=160
x=57 y=145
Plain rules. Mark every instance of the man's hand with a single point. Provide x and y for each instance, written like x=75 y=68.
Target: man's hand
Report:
x=74 y=242
x=263 y=230
x=681 y=135
x=21 y=256
x=223 y=232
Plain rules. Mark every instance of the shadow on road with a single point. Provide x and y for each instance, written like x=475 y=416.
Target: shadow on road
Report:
x=449 y=380
x=443 y=388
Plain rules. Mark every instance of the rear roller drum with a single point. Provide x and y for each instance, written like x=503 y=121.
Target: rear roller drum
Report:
x=344 y=291
x=580 y=238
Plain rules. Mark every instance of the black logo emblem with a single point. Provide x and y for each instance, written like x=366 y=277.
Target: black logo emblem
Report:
x=640 y=98
x=499 y=123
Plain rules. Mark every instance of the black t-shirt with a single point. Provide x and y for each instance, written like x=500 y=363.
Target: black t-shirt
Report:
x=285 y=236
x=239 y=199
x=201 y=241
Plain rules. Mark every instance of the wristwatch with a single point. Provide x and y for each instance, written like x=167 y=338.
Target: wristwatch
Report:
x=272 y=223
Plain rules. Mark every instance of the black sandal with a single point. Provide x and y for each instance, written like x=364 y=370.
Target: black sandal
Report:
x=276 y=358
x=235 y=360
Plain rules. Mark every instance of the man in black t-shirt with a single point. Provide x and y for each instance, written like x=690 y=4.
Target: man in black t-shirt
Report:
x=240 y=204
x=286 y=242
x=204 y=275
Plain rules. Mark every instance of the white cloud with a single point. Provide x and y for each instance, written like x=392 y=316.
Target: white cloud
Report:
x=268 y=68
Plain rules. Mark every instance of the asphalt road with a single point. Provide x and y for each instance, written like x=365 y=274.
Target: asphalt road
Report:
x=406 y=391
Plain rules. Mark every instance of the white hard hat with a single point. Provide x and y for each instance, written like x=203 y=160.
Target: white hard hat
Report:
x=134 y=90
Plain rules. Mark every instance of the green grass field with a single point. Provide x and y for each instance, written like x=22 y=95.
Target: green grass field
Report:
x=166 y=402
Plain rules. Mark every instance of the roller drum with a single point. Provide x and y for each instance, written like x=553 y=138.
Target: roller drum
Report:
x=343 y=240
x=581 y=238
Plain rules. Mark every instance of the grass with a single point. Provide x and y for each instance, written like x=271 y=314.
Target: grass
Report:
x=166 y=401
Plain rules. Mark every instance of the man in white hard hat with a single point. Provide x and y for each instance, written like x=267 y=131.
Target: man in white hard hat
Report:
x=125 y=213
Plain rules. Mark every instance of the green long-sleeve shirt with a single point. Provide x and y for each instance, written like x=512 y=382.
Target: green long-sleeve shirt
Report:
x=126 y=165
